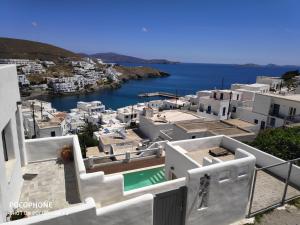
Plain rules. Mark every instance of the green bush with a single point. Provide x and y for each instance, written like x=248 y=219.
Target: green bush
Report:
x=280 y=142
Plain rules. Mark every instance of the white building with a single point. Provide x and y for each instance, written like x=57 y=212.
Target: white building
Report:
x=155 y=104
x=130 y=113
x=23 y=81
x=85 y=112
x=275 y=83
x=175 y=103
x=63 y=85
x=48 y=63
x=216 y=105
x=151 y=123
x=256 y=87
x=93 y=107
x=41 y=120
x=271 y=110
x=12 y=148
x=75 y=121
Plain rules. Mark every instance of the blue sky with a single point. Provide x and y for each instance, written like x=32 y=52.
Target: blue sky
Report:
x=223 y=31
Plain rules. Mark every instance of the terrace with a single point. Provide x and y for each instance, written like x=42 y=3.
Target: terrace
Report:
x=49 y=182
x=66 y=185
x=274 y=183
x=48 y=179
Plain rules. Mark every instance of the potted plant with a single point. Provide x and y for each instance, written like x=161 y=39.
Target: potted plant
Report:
x=67 y=153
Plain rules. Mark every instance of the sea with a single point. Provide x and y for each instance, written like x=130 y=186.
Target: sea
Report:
x=184 y=79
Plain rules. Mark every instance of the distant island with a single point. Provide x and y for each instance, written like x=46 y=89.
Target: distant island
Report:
x=266 y=65
x=111 y=57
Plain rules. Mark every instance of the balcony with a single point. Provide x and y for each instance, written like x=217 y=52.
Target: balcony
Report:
x=48 y=180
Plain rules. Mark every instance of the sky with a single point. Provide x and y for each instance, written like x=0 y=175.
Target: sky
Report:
x=204 y=31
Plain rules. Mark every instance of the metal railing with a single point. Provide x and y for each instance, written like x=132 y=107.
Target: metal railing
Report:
x=283 y=199
x=127 y=155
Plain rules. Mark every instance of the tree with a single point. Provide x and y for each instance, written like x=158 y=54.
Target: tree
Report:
x=290 y=75
x=283 y=143
x=289 y=79
x=86 y=137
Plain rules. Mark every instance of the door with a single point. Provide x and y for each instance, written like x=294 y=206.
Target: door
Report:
x=276 y=108
x=262 y=125
x=169 y=207
x=272 y=122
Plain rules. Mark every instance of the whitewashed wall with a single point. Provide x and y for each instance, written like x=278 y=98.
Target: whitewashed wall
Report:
x=10 y=171
x=137 y=211
x=46 y=148
x=228 y=191
x=264 y=159
x=151 y=130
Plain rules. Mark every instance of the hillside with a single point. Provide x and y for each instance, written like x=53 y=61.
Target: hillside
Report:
x=129 y=73
x=23 y=49
x=118 y=58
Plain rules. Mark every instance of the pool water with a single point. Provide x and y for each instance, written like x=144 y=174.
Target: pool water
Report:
x=144 y=178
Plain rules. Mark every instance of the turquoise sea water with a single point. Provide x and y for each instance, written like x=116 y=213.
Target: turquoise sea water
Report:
x=186 y=78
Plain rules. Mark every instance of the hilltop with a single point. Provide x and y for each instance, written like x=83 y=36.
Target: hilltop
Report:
x=111 y=57
x=24 y=49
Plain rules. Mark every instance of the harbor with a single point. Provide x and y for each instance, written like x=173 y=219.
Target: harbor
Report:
x=159 y=94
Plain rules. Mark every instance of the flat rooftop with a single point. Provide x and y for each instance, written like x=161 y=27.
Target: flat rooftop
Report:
x=217 y=127
x=199 y=154
x=287 y=97
x=172 y=116
x=110 y=139
x=53 y=122
x=51 y=182
x=240 y=123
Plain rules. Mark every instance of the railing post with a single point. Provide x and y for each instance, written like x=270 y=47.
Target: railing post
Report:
x=287 y=183
x=127 y=156
x=159 y=151
x=252 y=192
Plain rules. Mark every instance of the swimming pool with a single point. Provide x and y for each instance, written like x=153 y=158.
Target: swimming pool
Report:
x=144 y=178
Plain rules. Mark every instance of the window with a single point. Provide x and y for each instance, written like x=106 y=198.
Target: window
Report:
x=201 y=107
x=4 y=146
x=234 y=109
x=292 y=111
x=256 y=121
x=221 y=96
x=7 y=143
x=208 y=109
x=52 y=133
x=262 y=125
x=237 y=97
x=193 y=137
x=224 y=111
x=215 y=95
x=276 y=109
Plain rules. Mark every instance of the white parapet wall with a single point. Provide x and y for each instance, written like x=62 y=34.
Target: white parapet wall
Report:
x=222 y=199
x=136 y=211
x=227 y=191
x=104 y=189
x=217 y=191
x=46 y=148
x=11 y=143
x=264 y=159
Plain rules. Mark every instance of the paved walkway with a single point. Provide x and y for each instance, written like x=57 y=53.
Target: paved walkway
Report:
x=269 y=190
x=51 y=184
